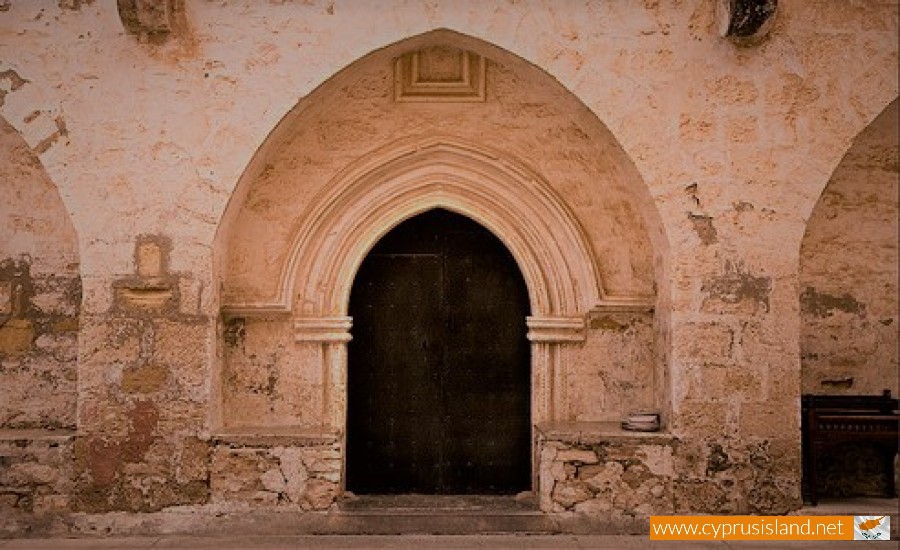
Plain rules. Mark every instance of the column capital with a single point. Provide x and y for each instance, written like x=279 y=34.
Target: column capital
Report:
x=322 y=329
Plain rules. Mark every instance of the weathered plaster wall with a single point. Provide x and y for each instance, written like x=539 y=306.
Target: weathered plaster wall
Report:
x=40 y=294
x=143 y=391
x=612 y=374
x=848 y=270
x=733 y=148
x=268 y=380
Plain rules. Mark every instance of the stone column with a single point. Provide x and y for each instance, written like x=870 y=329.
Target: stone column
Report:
x=551 y=339
x=333 y=333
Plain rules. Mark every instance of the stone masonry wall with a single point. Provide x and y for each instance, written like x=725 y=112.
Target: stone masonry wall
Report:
x=600 y=472
x=729 y=149
x=35 y=477
x=614 y=373
x=268 y=380
x=848 y=277
x=247 y=471
x=143 y=391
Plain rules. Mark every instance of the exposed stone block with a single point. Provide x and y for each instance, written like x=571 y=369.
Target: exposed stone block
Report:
x=147 y=378
x=567 y=493
x=298 y=476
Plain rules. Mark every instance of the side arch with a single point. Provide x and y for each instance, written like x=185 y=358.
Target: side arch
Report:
x=848 y=270
x=40 y=294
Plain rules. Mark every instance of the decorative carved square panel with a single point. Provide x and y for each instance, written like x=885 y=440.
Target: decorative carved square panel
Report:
x=439 y=74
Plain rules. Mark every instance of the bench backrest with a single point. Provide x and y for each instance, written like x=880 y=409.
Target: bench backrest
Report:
x=850 y=404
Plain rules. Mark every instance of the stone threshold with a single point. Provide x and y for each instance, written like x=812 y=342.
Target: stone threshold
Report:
x=417 y=504
x=275 y=436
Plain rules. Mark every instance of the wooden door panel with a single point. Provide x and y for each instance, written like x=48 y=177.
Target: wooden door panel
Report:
x=394 y=382
x=439 y=382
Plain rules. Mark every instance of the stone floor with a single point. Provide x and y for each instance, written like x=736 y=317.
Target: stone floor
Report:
x=601 y=542
x=278 y=531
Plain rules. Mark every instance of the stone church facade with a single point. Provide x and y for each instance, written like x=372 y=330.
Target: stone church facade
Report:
x=706 y=227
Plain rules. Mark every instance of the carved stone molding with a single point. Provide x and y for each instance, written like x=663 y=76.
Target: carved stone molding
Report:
x=372 y=196
x=552 y=339
x=625 y=304
x=439 y=74
x=322 y=329
x=556 y=329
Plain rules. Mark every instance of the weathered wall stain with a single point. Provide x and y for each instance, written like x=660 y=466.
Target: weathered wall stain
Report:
x=737 y=288
x=822 y=304
x=13 y=80
x=703 y=226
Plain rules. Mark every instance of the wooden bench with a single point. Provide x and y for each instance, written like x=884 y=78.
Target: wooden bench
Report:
x=831 y=420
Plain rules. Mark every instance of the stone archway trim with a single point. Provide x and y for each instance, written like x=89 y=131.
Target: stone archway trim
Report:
x=369 y=198
x=381 y=190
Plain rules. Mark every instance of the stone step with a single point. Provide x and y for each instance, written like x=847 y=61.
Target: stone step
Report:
x=439 y=514
x=436 y=522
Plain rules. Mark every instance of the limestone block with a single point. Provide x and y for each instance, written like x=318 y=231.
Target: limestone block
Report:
x=148 y=378
x=605 y=478
x=273 y=481
x=321 y=494
x=193 y=462
x=569 y=493
x=16 y=336
x=706 y=342
x=702 y=419
x=769 y=420
x=594 y=507
x=294 y=473
x=658 y=459
x=27 y=473
x=701 y=497
x=235 y=473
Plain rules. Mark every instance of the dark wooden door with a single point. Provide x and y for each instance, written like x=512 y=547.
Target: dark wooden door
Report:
x=439 y=365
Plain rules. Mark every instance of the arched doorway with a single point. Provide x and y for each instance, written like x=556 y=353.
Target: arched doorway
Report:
x=439 y=366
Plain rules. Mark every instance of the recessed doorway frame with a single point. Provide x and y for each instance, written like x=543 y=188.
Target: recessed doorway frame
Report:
x=370 y=197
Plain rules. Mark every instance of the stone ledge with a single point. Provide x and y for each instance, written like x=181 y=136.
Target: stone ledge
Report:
x=275 y=436
x=587 y=433
x=36 y=435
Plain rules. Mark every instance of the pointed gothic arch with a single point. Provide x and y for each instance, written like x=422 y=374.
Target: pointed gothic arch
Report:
x=330 y=182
